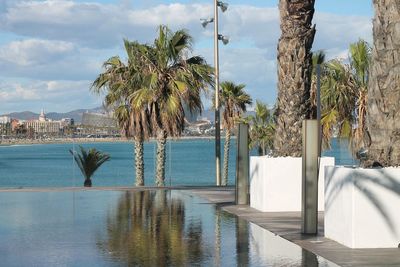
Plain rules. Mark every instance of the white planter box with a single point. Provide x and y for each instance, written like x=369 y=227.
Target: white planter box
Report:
x=362 y=206
x=275 y=183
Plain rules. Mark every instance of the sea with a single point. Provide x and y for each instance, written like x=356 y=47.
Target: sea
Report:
x=190 y=162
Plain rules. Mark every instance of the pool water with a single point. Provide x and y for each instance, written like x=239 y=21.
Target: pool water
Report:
x=134 y=228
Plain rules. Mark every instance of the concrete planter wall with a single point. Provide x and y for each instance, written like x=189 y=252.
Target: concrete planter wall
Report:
x=275 y=183
x=362 y=206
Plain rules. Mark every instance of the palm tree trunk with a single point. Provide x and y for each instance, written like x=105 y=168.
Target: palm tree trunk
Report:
x=226 y=157
x=383 y=96
x=139 y=162
x=87 y=182
x=160 y=168
x=294 y=74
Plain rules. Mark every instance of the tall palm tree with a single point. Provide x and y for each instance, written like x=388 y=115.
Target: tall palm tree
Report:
x=294 y=74
x=120 y=81
x=172 y=79
x=88 y=162
x=233 y=102
x=262 y=129
x=383 y=95
x=344 y=96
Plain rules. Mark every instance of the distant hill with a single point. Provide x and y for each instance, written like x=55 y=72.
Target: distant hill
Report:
x=75 y=114
x=209 y=114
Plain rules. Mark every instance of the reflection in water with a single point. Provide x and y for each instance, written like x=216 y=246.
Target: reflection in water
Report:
x=149 y=229
x=217 y=257
x=242 y=242
x=309 y=259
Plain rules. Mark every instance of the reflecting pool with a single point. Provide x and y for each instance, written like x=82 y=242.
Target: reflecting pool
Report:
x=134 y=228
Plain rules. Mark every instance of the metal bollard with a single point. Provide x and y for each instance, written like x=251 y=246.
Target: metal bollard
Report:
x=242 y=196
x=309 y=198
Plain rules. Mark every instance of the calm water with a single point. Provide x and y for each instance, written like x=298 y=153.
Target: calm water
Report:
x=189 y=162
x=142 y=228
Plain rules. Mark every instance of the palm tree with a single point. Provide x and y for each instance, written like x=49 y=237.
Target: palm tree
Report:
x=172 y=80
x=233 y=102
x=338 y=99
x=88 y=162
x=294 y=74
x=262 y=129
x=344 y=92
x=360 y=59
x=120 y=81
x=383 y=96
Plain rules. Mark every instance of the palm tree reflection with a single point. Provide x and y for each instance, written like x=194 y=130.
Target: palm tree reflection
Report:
x=149 y=229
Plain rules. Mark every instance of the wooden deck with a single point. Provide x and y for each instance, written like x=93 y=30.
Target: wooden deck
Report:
x=288 y=226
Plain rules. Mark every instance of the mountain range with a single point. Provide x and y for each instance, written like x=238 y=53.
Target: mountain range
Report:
x=208 y=114
x=75 y=114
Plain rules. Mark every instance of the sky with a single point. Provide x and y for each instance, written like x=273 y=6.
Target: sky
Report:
x=52 y=50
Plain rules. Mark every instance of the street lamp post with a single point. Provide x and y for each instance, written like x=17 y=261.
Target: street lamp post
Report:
x=225 y=41
x=217 y=113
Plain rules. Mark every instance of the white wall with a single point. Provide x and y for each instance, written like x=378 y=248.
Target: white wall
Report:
x=275 y=183
x=362 y=206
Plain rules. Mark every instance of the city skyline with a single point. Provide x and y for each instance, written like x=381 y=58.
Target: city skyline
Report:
x=51 y=51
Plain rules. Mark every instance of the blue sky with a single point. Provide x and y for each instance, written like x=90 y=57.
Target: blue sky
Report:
x=51 y=51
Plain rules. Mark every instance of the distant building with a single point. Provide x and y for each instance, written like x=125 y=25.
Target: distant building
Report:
x=5 y=125
x=98 y=120
x=67 y=121
x=5 y=119
x=44 y=125
x=15 y=124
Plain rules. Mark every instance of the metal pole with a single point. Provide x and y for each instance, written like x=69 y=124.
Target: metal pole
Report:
x=318 y=69
x=217 y=115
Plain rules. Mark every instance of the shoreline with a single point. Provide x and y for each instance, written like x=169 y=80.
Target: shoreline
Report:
x=14 y=142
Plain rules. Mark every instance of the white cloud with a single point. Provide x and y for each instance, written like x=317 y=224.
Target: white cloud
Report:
x=35 y=52
x=96 y=25
x=66 y=42
x=52 y=95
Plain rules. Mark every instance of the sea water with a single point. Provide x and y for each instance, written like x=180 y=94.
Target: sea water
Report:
x=188 y=162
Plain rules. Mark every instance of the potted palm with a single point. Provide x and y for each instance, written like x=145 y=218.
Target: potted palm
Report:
x=88 y=162
x=361 y=207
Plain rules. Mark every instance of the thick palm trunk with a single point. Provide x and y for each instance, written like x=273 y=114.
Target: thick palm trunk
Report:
x=383 y=96
x=294 y=74
x=160 y=168
x=139 y=162
x=226 y=157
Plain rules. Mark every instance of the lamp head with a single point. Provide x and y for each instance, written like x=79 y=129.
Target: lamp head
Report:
x=223 y=6
x=224 y=39
x=205 y=22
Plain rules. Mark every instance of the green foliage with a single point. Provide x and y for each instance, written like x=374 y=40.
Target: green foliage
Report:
x=89 y=161
x=344 y=95
x=149 y=91
x=262 y=128
x=233 y=101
